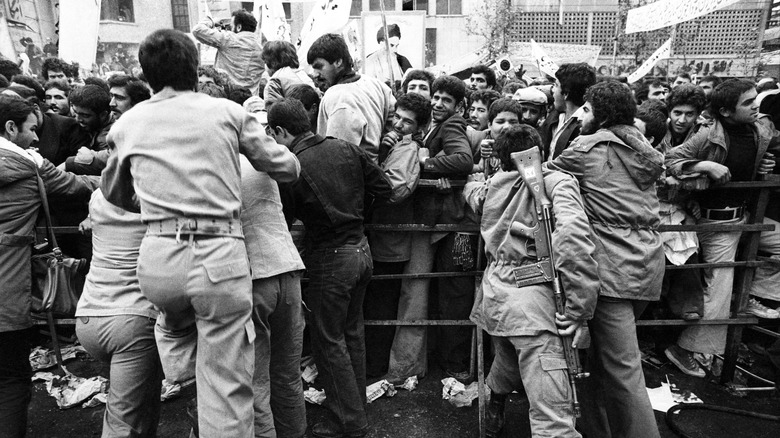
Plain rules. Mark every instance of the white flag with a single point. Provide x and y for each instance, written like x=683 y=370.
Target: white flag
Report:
x=543 y=60
x=79 y=21
x=327 y=16
x=274 y=23
x=663 y=52
x=665 y=13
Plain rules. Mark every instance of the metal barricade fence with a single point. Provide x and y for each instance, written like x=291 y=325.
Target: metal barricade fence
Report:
x=745 y=264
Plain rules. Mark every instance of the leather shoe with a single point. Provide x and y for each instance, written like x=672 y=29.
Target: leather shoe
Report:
x=494 y=419
x=327 y=429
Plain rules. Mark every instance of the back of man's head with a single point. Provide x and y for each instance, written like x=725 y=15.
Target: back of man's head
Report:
x=135 y=88
x=450 y=85
x=30 y=82
x=9 y=68
x=280 y=54
x=94 y=80
x=575 y=79
x=518 y=138
x=289 y=114
x=612 y=104
x=417 y=104
x=305 y=93
x=92 y=97
x=418 y=75
x=725 y=96
x=686 y=94
x=655 y=123
x=330 y=47
x=245 y=19
x=14 y=109
x=169 y=58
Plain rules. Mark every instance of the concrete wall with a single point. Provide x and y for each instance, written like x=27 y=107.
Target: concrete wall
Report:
x=150 y=15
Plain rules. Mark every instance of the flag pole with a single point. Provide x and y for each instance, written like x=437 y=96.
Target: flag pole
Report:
x=387 y=45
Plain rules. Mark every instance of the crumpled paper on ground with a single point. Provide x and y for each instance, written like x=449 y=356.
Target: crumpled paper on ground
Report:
x=310 y=373
x=378 y=389
x=97 y=400
x=458 y=394
x=169 y=390
x=70 y=390
x=314 y=396
x=410 y=384
x=43 y=358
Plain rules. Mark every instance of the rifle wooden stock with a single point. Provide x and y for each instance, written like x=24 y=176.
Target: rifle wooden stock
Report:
x=529 y=164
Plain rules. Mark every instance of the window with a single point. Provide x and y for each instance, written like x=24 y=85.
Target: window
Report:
x=181 y=15
x=448 y=7
x=356 y=8
x=117 y=10
x=374 y=5
x=415 y=5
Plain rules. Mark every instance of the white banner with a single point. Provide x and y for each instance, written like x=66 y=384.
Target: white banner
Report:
x=545 y=63
x=273 y=22
x=663 y=52
x=79 y=22
x=665 y=13
x=327 y=16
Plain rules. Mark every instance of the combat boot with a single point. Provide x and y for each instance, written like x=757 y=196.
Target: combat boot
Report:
x=494 y=415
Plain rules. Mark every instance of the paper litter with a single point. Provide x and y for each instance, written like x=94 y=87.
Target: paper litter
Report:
x=70 y=390
x=458 y=394
x=314 y=396
x=378 y=389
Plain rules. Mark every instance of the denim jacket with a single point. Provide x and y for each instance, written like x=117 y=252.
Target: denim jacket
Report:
x=336 y=178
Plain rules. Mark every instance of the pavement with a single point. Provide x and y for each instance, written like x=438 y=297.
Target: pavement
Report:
x=423 y=412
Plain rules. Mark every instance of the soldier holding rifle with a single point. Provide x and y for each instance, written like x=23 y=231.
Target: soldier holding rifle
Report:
x=516 y=301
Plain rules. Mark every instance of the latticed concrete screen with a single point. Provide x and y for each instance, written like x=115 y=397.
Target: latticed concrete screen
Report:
x=720 y=31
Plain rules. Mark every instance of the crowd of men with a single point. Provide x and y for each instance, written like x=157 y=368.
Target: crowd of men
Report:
x=187 y=181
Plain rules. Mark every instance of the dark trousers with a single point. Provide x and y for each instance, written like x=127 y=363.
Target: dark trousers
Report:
x=15 y=382
x=455 y=299
x=381 y=302
x=337 y=285
x=684 y=289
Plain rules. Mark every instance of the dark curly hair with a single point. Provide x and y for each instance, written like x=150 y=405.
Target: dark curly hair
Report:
x=135 y=88
x=169 y=58
x=56 y=64
x=93 y=97
x=655 y=105
x=505 y=104
x=642 y=89
x=330 y=47
x=726 y=95
x=686 y=94
x=419 y=75
x=30 y=82
x=490 y=75
x=486 y=96
x=612 y=104
x=245 y=19
x=450 y=85
x=420 y=106
x=516 y=139
x=655 y=123
x=575 y=79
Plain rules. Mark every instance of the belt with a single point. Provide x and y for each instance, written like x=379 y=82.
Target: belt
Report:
x=722 y=214
x=195 y=227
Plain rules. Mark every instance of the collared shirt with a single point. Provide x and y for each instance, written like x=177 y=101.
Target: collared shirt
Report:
x=330 y=196
x=563 y=122
x=178 y=152
x=238 y=54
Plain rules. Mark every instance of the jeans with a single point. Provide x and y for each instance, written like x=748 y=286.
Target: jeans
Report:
x=280 y=410
x=718 y=285
x=337 y=285
x=538 y=364
x=126 y=343
x=204 y=293
x=15 y=382
x=614 y=399
x=766 y=281
x=381 y=302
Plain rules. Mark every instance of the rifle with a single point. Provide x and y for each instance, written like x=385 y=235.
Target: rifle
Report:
x=529 y=163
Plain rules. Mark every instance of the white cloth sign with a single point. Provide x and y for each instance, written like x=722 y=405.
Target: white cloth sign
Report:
x=274 y=24
x=543 y=60
x=665 y=13
x=661 y=53
x=327 y=16
x=79 y=21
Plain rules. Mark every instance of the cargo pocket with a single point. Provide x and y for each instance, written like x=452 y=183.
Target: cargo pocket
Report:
x=218 y=272
x=556 y=381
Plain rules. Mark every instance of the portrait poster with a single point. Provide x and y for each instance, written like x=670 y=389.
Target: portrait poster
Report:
x=412 y=28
